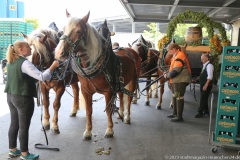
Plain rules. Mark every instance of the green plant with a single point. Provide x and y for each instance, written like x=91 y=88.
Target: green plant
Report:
x=203 y=21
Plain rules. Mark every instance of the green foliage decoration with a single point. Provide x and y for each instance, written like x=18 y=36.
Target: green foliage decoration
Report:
x=203 y=21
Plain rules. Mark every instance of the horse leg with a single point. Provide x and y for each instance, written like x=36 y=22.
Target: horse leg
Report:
x=75 y=108
x=56 y=107
x=159 y=104
x=121 y=107
x=46 y=115
x=147 y=102
x=108 y=98
x=134 y=101
x=127 y=101
x=87 y=135
x=154 y=87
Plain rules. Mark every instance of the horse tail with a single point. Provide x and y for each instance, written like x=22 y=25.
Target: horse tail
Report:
x=82 y=100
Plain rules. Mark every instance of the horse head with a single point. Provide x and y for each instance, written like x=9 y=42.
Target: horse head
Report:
x=79 y=38
x=43 y=43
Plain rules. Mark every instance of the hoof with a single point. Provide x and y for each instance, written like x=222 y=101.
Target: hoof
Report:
x=73 y=114
x=86 y=138
x=55 y=131
x=134 y=101
x=156 y=96
x=171 y=106
x=158 y=107
x=150 y=96
x=108 y=135
x=47 y=127
x=147 y=103
x=127 y=121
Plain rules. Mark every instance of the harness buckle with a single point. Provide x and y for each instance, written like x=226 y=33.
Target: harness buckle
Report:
x=121 y=79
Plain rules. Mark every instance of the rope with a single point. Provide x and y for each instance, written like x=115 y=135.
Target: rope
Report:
x=39 y=101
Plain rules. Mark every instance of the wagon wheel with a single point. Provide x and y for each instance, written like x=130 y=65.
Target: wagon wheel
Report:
x=214 y=149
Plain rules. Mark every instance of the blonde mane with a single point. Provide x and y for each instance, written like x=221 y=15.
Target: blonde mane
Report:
x=36 y=35
x=93 y=43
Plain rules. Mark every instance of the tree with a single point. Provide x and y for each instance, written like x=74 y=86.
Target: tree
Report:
x=32 y=21
x=153 y=34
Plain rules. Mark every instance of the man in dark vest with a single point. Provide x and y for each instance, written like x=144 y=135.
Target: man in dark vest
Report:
x=205 y=79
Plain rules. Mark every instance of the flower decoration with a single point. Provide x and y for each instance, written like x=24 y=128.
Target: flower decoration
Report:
x=161 y=43
x=215 y=44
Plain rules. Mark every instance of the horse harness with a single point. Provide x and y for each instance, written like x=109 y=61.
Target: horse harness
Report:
x=116 y=80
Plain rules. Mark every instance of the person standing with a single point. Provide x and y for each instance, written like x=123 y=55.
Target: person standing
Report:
x=21 y=90
x=205 y=81
x=179 y=76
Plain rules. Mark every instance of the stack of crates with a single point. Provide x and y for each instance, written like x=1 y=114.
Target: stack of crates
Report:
x=10 y=31
x=227 y=120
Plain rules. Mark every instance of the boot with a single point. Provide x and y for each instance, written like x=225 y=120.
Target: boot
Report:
x=174 y=114
x=180 y=107
x=177 y=119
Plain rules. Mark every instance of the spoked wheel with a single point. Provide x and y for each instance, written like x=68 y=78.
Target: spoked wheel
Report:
x=214 y=149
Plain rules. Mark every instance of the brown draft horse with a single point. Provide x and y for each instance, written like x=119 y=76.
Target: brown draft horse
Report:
x=99 y=69
x=151 y=64
x=43 y=43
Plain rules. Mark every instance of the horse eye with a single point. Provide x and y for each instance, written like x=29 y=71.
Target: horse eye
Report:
x=79 y=32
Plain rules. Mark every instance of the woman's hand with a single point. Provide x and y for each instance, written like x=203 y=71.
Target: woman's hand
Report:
x=55 y=64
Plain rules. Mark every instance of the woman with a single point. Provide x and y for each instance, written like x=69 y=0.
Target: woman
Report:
x=21 y=90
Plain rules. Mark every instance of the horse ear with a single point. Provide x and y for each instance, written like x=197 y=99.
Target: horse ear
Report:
x=68 y=14
x=129 y=45
x=85 y=18
x=43 y=39
x=105 y=22
x=112 y=33
x=24 y=35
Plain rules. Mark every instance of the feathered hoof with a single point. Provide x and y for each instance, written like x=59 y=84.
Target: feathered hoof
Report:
x=134 y=101
x=108 y=135
x=127 y=120
x=47 y=127
x=158 y=107
x=55 y=131
x=147 y=103
x=73 y=114
x=87 y=138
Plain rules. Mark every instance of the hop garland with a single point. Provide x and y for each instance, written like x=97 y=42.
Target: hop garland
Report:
x=161 y=43
x=215 y=44
x=203 y=21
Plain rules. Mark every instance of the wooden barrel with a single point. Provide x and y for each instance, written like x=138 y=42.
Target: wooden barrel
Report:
x=193 y=34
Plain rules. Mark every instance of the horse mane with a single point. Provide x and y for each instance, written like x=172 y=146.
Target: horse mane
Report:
x=93 y=44
x=35 y=37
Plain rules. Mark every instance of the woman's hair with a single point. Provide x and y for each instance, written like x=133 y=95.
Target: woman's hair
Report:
x=173 y=45
x=13 y=50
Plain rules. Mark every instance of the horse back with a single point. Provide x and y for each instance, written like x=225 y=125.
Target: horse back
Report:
x=129 y=58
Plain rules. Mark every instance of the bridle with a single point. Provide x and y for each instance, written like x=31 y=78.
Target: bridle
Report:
x=73 y=45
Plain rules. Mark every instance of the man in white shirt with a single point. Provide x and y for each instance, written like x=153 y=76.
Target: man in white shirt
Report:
x=205 y=78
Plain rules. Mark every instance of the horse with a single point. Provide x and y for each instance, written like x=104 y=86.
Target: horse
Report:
x=43 y=43
x=152 y=65
x=99 y=69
